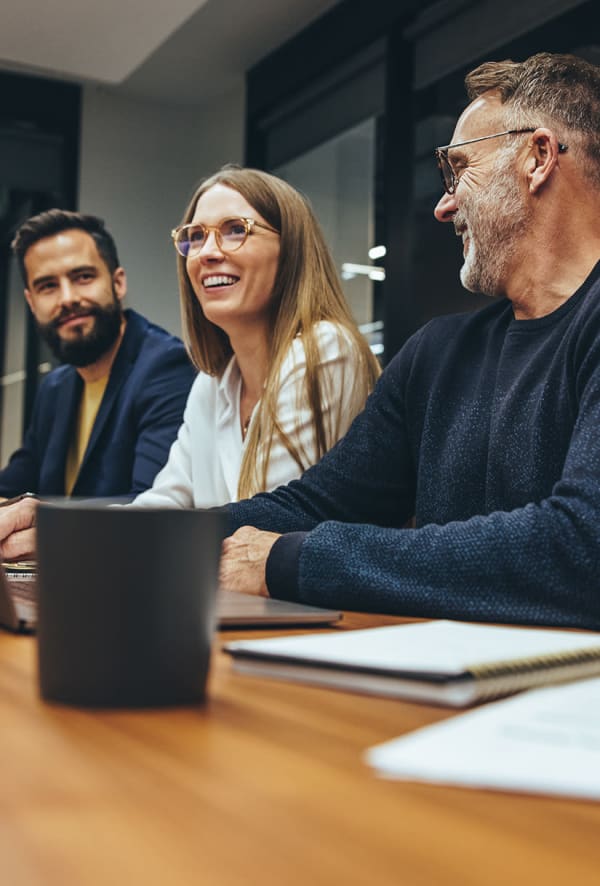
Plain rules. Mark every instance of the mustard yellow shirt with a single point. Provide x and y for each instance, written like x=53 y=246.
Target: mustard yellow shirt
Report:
x=91 y=398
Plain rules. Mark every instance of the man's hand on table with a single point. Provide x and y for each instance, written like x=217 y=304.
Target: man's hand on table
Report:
x=17 y=532
x=244 y=560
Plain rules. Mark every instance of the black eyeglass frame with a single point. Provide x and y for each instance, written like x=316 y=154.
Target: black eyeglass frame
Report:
x=447 y=174
x=249 y=224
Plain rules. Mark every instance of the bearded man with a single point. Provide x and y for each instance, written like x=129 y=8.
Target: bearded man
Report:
x=485 y=427
x=102 y=424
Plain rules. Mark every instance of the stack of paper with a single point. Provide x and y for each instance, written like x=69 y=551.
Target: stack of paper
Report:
x=544 y=742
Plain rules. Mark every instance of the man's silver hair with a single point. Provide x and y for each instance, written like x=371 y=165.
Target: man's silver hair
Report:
x=560 y=92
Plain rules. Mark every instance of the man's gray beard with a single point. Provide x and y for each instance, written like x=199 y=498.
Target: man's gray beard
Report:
x=495 y=219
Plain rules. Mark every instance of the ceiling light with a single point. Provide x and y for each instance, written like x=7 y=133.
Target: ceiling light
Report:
x=350 y=270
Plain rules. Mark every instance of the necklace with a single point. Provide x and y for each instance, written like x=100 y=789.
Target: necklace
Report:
x=249 y=410
x=245 y=426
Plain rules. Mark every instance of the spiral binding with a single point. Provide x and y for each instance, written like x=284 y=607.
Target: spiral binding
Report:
x=506 y=677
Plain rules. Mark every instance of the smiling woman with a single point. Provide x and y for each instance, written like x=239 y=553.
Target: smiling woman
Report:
x=283 y=367
x=231 y=262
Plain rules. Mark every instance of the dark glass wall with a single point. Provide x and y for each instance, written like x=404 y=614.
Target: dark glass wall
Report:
x=39 y=139
x=402 y=64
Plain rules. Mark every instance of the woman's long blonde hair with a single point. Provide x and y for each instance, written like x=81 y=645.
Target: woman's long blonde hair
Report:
x=306 y=290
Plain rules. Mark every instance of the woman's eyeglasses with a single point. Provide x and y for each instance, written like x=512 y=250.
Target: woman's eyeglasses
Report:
x=230 y=234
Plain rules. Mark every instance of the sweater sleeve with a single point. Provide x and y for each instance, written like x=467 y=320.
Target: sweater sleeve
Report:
x=368 y=476
x=534 y=564
x=537 y=564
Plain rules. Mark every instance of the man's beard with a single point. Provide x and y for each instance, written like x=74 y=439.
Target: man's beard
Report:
x=494 y=218
x=84 y=349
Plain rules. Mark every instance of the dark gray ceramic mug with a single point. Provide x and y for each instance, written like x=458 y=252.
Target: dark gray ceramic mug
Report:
x=126 y=603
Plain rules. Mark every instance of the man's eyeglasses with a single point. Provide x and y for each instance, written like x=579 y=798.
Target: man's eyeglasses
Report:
x=449 y=177
x=230 y=234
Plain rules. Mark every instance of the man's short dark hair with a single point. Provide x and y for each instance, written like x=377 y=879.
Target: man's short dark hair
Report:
x=54 y=221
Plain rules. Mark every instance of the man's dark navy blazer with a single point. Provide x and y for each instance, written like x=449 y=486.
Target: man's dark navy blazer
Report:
x=137 y=422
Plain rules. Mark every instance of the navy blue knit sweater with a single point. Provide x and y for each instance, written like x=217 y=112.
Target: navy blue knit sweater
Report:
x=485 y=428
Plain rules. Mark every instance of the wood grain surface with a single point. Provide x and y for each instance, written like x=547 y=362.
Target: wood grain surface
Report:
x=263 y=784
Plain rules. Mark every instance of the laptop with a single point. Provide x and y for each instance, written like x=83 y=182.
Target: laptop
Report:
x=245 y=610
x=18 y=606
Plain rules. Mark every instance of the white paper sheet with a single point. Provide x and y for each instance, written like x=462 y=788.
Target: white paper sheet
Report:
x=546 y=741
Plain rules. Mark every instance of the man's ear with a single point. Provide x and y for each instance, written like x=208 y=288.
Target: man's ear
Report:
x=120 y=283
x=28 y=299
x=542 y=159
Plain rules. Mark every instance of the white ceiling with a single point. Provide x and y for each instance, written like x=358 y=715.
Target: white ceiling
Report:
x=184 y=51
x=102 y=42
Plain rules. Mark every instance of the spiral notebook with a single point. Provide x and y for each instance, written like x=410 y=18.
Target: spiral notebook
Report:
x=441 y=662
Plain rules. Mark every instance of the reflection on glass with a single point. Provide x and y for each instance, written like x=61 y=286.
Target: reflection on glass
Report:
x=338 y=178
x=13 y=375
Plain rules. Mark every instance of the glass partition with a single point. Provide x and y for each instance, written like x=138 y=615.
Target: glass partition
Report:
x=338 y=177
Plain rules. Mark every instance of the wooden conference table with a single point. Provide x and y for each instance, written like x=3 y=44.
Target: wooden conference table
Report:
x=264 y=784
